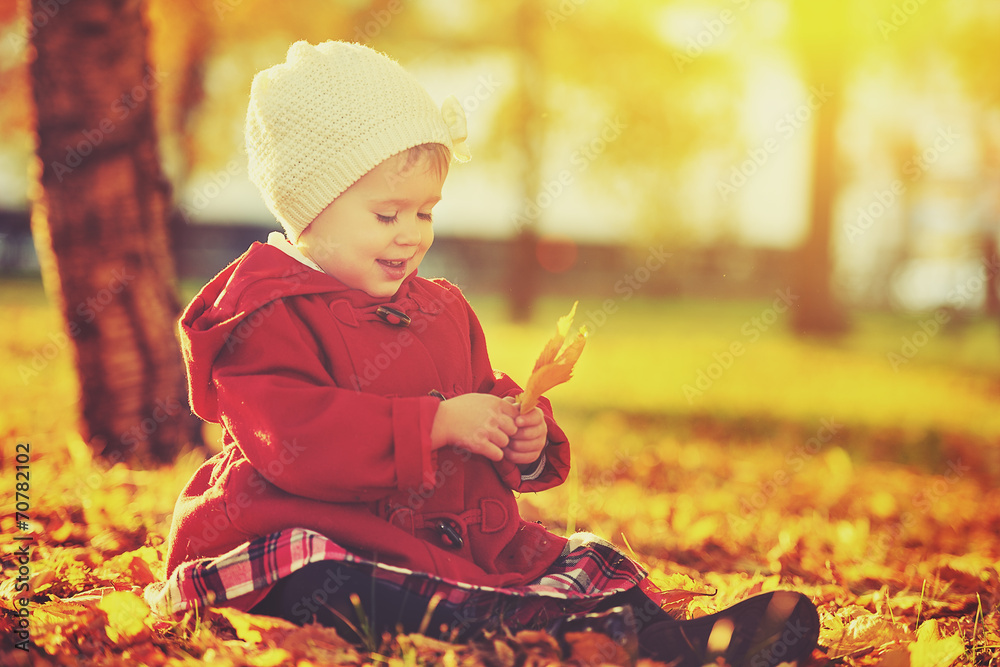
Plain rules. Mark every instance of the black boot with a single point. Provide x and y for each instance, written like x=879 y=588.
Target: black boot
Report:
x=763 y=631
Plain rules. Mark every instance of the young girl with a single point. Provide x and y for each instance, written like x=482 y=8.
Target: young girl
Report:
x=370 y=452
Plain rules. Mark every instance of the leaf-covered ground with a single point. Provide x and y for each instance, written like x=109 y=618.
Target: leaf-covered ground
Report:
x=812 y=466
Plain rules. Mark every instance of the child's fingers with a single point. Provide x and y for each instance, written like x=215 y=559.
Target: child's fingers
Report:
x=531 y=418
x=487 y=448
x=499 y=436
x=531 y=452
x=497 y=430
x=504 y=418
x=535 y=432
x=507 y=425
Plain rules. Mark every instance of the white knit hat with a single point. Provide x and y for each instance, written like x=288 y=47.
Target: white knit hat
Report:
x=330 y=114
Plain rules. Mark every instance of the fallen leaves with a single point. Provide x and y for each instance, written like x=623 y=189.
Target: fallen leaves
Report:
x=252 y=628
x=127 y=617
x=933 y=650
x=896 y=586
x=593 y=648
x=855 y=631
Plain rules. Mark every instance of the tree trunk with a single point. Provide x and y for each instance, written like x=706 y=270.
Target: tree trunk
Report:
x=522 y=266
x=99 y=210
x=991 y=259
x=818 y=310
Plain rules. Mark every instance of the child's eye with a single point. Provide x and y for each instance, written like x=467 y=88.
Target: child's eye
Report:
x=429 y=217
x=387 y=219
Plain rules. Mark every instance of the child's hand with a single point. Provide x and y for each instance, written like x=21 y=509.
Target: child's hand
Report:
x=527 y=443
x=479 y=423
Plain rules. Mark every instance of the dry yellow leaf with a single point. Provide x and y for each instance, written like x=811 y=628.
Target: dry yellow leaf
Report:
x=249 y=627
x=555 y=364
x=127 y=614
x=932 y=650
x=272 y=657
x=860 y=634
x=243 y=624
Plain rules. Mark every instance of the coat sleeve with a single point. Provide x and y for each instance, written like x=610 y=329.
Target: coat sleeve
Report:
x=489 y=381
x=308 y=436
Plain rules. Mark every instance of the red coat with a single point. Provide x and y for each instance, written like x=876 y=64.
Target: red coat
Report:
x=327 y=416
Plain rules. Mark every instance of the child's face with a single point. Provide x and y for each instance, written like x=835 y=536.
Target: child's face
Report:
x=376 y=232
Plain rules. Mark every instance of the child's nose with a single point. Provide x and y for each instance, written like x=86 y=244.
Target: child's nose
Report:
x=408 y=232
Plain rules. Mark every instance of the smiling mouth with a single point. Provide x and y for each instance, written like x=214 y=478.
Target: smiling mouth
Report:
x=393 y=263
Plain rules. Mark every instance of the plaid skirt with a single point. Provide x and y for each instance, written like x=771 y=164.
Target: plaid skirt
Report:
x=587 y=571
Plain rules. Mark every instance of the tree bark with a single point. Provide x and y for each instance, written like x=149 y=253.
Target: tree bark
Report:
x=100 y=202
x=991 y=259
x=818 y=311
x=522 y=280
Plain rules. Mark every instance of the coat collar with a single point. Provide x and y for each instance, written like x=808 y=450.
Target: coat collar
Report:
x=353 y=306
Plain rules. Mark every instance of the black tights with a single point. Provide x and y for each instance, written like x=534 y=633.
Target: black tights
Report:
x=763 y=631
x=321 y=592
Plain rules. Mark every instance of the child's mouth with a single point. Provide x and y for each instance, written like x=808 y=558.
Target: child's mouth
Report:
x=395 y=268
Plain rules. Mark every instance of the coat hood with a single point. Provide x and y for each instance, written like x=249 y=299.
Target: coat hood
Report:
x=231 y=305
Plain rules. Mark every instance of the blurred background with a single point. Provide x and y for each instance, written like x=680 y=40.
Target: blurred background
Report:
x=734 y=133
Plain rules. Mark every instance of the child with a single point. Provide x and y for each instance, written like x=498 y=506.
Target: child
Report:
x=370 y=451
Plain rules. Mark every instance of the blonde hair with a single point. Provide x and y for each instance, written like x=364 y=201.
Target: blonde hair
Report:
x=438 y=154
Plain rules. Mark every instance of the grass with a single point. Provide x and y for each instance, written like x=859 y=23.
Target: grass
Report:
x=645 y=354
x=737 y=489
x=642 y=358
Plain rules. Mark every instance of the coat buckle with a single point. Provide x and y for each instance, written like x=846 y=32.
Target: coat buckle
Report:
x=393 y=316
x=449 y=532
